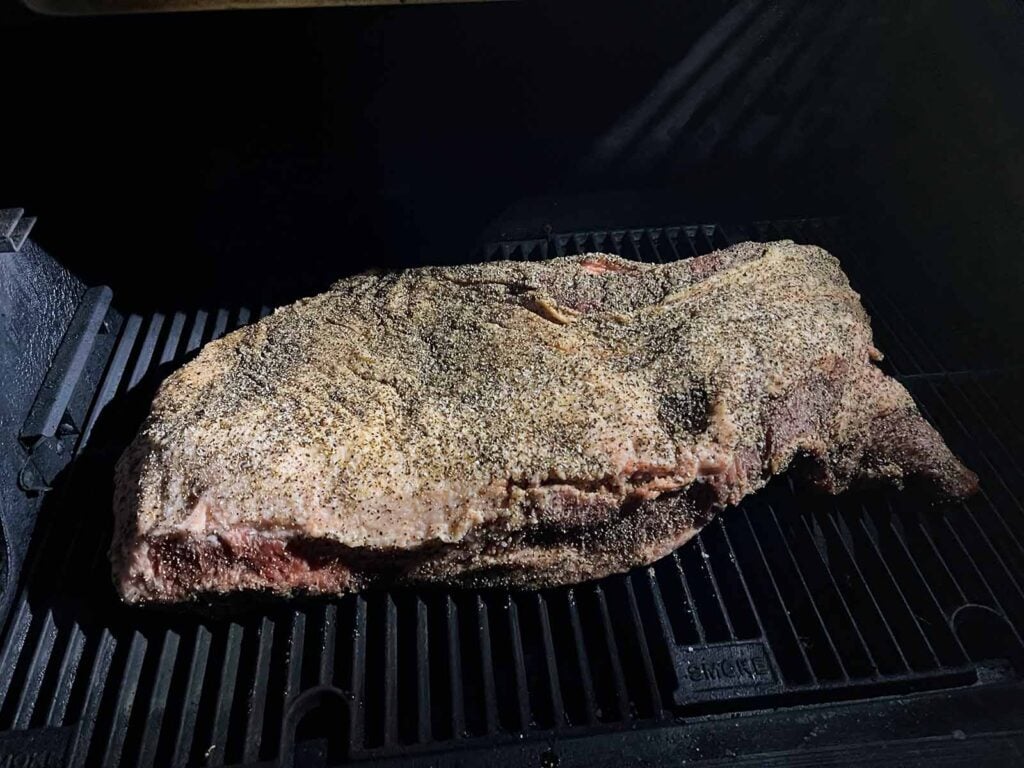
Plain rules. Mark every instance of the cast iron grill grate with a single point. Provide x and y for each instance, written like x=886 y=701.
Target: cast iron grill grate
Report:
x=867 y=594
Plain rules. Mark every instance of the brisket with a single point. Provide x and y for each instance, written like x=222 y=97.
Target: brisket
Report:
x=508 y=424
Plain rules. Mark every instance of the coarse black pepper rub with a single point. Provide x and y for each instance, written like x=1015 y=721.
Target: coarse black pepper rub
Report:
x=508 y=423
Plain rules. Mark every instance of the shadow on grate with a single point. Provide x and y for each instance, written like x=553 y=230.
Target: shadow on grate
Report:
x=784 y=600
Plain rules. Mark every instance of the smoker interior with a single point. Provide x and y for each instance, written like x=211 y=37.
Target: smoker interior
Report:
x=191 y=194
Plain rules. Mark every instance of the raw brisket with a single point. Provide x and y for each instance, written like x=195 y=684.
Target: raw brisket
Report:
x=508 y=424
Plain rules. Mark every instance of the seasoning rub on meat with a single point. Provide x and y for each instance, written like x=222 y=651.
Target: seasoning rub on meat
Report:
x=509 y=424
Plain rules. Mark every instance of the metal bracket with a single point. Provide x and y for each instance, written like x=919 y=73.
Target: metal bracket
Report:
x=48 y=416
x=53 y=422
x=14 y=229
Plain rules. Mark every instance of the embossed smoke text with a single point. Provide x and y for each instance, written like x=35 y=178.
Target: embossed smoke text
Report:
x=727 y=669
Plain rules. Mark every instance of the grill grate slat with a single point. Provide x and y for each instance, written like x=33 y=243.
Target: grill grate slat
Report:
x=716 y=588
x=258 y=691
x=582 y=657
x=113 y=378
x=522 y=691
x=691 y=604
x=215 y=752
x=125 y=702
x=458 y=710
x=554 y=685
x=487 y=666
x=93 y=693
x=650 y=678
x=422 y=672
x=37 y=669
x=328 y=640
x=621 y=696
x=296 y=644
x=65 y=675
x=197 y=672
x=390 y=671
x=357 y=724
x=154 y=720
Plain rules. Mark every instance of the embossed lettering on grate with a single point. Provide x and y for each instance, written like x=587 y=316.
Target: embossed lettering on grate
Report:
x=786 y=600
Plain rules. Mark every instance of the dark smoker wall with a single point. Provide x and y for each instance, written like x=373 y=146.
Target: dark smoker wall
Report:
x=178 y=158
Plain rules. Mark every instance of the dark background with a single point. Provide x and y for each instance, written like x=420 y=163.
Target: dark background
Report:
x=186 y=158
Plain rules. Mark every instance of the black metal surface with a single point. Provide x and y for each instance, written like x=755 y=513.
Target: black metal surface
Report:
x=862 y=596
x=38 y=297
x=945 y=729
x=412 y=129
